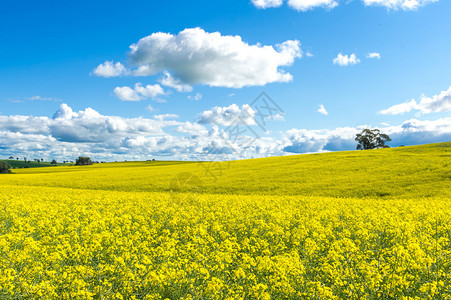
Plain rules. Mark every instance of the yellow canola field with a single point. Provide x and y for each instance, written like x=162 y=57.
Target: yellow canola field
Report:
x=61 y=243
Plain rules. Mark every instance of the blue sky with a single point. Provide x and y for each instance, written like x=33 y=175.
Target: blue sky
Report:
x=50 y=51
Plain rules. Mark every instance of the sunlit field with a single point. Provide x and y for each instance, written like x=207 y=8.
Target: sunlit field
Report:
x=370 y=224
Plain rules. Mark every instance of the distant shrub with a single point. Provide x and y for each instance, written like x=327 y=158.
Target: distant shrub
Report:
x=5 y=168
x=83 y=161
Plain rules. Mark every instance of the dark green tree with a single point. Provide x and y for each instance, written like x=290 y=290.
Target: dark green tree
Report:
x=83 y=161
x=54 y=162
x=5 y=168
x=371 y=139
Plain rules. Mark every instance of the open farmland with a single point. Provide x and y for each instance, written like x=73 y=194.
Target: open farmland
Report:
x=347 y=225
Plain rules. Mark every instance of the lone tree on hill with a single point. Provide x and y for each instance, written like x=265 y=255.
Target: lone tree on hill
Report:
x=4 y=167
x=371 y=139
x=54 y=162
x=83 y=161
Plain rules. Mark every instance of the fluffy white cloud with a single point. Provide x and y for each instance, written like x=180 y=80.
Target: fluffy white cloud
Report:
x=345 y=60
x=400 y=108
x=411 y=132
x=192 y=129
x=416 y=132
x=426 y=105
x=87 y=126
x=70 y=134
x=437 y=103
x=373 y=55
x=65 y=112
x=176 y=84
x=309 y=141
x=90 y=126
x=322 y=110
x=267 y=3
x=149 y=91
x=229 y=115
x=126 y=93
x=399 y=4
x=165 y=116
x=139 y=93
x=197 y=57
x=299 y=5
x=110 y=69
x=87 y=132
x=24 y=124
x=304 y=5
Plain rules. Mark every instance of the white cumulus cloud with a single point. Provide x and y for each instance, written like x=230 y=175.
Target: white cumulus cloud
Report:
x=192 y=129
x=373 y=55
x=322 y=110
x=126 y=93
x=426 y=105
x=399 y=4
x=87 y=132
x=174 y=83
x=228 y=115
x=139 y=92
x=65 y=112
x=165 y=116
x=411 y=132
x=110 y=69
x=150 y=90
x=304 y=5
x=81 y=127
x=345 y=60
x=400 y=108
x=194 y=56
x=267 y=3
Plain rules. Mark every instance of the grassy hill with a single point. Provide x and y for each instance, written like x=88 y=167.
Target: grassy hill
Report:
x=417 y=171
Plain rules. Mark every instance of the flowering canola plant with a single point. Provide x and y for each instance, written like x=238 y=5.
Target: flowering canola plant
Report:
x=82 y=243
